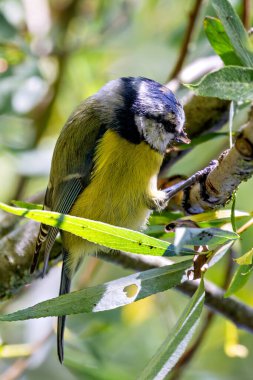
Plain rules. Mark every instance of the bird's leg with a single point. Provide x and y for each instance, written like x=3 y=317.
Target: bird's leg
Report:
x=173 y=190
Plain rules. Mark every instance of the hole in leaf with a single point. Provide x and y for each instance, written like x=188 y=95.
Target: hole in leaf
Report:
x=131 y=290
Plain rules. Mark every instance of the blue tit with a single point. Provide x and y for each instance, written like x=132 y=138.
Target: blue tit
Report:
x=105 y=166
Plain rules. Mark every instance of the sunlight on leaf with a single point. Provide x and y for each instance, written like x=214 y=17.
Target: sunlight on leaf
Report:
x=219 y=253
x=246 y=259
x=97 y=232
x=223 y=215
x=107 y=296
x=239 y=279
x=29 y=206
x=235 y=83
x=202 y=236
x=235 y=31
x=220 y=42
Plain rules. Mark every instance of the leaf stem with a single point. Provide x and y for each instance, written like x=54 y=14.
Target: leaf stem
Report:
x=245 y=226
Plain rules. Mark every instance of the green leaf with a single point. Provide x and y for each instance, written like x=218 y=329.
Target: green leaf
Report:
x=235 y=31
x=220 y=42
x=246 y=259
x=109 y=295
x=202 y=236
x=239 y=279
x=242 y=274
x=174 y=346
x=233 y=219
x=223 y=216
x=100 y=370
x=231 y=83
x=104 y=234
x=29 y=206
x=219 y=253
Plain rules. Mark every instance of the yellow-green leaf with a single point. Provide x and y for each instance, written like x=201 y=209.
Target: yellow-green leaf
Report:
x=246 y=259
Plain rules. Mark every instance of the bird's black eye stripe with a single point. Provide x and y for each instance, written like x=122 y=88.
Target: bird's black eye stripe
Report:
x=157 y=119
x=169 y=126
x=124 y=121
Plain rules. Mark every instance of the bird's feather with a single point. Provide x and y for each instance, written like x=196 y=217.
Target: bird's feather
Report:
x=69 y=174
x=64 y=288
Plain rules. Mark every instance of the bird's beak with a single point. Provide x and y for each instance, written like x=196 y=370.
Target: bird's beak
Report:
x=182 y=138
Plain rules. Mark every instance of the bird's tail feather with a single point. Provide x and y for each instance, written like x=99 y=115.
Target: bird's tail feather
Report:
x=43 y=232
x=64 y=288
x=49 y=245
x=47 y=234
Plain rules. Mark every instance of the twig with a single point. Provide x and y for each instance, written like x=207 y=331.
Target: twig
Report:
x=195 y=178
x=246 y=13
x=20 y=365
x=188 y=35
x=245 y=226
x=15 y=370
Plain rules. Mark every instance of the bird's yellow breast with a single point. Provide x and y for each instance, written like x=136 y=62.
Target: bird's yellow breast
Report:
x=123 y=181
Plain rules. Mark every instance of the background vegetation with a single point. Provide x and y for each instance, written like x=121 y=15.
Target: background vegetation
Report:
x=54 y=54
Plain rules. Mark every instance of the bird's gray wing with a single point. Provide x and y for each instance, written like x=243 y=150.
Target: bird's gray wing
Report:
x=71 y=169
x=69 y=194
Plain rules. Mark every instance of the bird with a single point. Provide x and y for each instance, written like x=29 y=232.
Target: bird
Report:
x=105 y=166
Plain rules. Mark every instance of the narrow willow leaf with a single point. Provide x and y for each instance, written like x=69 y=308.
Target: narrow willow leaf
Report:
x=239 y=279
x=246 y=259
x=223 y=216
x=233 y=218
x=29 y=206
x=231 y=83
x=109 y=295
x=164 y=218
x=174 y=346
x=220 y=42
x=235 y=31
x=202 y=236
x=97 y=232
x=219 y=253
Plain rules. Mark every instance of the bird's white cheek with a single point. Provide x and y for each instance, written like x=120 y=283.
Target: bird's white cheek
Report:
x=153 y=133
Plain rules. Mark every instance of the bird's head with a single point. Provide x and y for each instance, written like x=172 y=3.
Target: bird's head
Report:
x=140 y=109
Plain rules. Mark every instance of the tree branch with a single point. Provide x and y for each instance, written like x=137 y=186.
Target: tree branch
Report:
x=233 y=167
x=188 y=36
x=16 y=253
